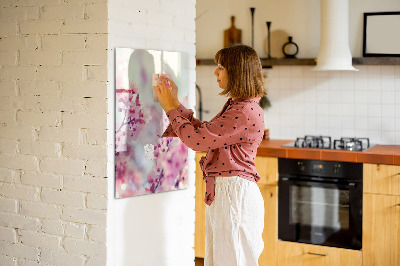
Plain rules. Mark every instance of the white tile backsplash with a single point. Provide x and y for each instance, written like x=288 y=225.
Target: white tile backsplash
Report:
x=364 y=103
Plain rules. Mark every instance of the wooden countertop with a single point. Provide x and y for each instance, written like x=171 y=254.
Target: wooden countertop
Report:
x=379 y=154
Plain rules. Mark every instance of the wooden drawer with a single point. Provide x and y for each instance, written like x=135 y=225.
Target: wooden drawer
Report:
x=297 y=254
x=381 y=179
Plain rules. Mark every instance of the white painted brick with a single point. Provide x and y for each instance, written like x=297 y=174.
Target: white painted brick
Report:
x=97 y=261
x=8 y=205
x=25 y=262
x=8 y=58
x=84 y=26
x=25 y=103
x=40 y=148
x=41 y=179
x=7 y=117
x=97 y=234
x=53 y=227
x=31 y=2
x=17 y=191
x=8 y=146
x=18 y=72
x=86 y=184
x=40 y=27
x=69 y=104
x=87 y=88
x=60 y=73
x=97 y=73
x=95 y=105
x=94 y=136
x=18 y=161
x=61 y=259
x=7 y=175
x=39 y=118
x=65 y=42
x=93 y=1
x=19 y=13
x=19 y=250
x=97 y=42
x=63 y=197
x=88 y=57
x=8 y=261
x=8 y=234
x=38 y=209
x=84 y=216
x=19 y=221
x=7 y=88
x=39 y=58
x=85 y=152
x=84 y=121
x=97 y=11
x=72 y=11
x=96 y=168
x=17 y=132
x=62 y=166
x=67 y=135
x=95 y=201
x=39 y=87
x=75 y=230
x=19 y=43
x=84 y=247
x=35 y=239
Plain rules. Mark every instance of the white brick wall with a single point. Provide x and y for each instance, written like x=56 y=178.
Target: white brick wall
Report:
x=53 y=108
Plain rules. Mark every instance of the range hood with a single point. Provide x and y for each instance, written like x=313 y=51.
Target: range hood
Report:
x=334 y=51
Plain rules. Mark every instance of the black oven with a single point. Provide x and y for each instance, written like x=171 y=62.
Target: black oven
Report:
x=320 y=202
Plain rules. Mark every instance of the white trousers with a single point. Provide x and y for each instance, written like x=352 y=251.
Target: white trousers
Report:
x=234 y=223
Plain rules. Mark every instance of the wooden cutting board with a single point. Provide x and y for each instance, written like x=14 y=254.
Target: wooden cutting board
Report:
x=232 y=35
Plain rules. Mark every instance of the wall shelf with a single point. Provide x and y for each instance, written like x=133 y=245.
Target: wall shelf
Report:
x=312 y=61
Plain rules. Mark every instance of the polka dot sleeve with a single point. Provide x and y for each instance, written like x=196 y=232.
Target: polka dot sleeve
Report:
x=187 y=113
x=227 y=129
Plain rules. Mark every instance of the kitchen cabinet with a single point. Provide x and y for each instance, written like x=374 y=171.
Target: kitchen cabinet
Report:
x=267 y=168
x=381 y=179
x=381 y=215
x=298 y=254
x=381 y=230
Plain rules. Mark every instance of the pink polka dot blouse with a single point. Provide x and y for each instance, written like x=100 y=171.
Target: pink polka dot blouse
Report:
x=231 y=139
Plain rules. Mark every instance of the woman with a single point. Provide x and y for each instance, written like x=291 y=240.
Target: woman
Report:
x=235 y=207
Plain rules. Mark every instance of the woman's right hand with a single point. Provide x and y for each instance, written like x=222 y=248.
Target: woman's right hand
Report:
x=174 y=89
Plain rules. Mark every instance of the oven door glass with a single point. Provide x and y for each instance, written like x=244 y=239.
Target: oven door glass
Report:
x=319 y=213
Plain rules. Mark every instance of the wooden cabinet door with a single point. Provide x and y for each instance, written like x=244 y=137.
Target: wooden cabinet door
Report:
x=267 y=168
x=381 y=179
x=200 y=207
x=297 y=254
x=270 y=233
x=381 y=230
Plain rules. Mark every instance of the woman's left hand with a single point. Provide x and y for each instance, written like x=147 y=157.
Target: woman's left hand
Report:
x=164 y=95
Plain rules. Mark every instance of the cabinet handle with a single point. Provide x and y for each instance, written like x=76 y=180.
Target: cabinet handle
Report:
x=318 y=254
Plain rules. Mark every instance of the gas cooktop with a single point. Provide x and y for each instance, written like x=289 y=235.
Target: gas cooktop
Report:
x=325 y=142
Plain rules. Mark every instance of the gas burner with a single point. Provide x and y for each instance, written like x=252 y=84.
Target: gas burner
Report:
x=321 y=142
x=324 y=142
x=351 y=144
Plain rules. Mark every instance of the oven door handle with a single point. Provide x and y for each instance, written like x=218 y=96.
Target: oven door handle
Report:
x=297 y=181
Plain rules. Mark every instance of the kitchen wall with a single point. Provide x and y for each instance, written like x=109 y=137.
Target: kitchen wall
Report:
x=153 y=229
x=339 y=104
x=53 y=109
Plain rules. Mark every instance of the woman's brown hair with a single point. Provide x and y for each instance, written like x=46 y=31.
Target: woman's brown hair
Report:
x=245 y=78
